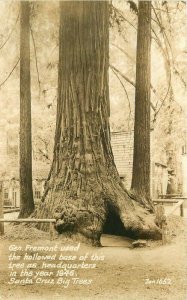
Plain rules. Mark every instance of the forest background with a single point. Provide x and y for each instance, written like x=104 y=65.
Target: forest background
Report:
x=168 y=76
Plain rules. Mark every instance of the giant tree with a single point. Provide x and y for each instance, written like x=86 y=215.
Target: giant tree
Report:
x=141 y=157
x=26 y=192
x=84 y=190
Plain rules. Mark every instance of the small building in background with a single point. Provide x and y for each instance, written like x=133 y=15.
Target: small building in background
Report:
x=9 y=169
x=11 y=188
x=122 y=146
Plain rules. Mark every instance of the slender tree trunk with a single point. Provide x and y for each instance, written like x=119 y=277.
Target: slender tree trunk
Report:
x=169 y=105
x=84 y=189
x=170 y=143
x=141 y=158
x=26 y=192
x=1 y=208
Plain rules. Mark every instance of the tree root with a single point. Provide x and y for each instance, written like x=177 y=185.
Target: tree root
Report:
x=86 y=218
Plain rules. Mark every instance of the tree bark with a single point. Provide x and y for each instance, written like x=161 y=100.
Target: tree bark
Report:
x=84 y=188
x=26 y=192
x=141 y=157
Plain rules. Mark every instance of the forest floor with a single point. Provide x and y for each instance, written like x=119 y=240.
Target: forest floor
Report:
x=154 y=272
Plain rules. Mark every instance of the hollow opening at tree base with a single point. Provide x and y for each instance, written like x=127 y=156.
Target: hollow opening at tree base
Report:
x=114 y=226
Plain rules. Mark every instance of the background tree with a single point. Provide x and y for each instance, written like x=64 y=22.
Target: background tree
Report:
x=1 y=208
x=141 y=158
x=84 y=187
x=26 y=192
x=170 y=108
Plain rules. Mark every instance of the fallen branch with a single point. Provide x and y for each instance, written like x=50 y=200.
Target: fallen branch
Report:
x=28 y=220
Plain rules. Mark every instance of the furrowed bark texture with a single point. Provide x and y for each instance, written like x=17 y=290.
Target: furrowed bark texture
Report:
x=141 y=158
x=84 y=188
x=26 y=192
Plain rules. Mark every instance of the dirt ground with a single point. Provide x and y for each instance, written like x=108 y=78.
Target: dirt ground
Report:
x=125 y=273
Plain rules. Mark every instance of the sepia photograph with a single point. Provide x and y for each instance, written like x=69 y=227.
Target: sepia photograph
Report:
x=93 y=150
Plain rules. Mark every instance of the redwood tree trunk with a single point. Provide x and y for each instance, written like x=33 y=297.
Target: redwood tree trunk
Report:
x=84 y=186
x=26 y=192
x=141 y=158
